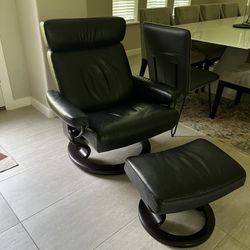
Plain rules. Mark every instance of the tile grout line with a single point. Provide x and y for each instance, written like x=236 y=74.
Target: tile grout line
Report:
x=30 y=236
x=110 y=236
x=18 y=223
x=61 y=199
x=228 y=234
x=10 y=209
x=49 y=206
x=242 y=243
x=21 y=221
x=7 y=178
x=222 y=237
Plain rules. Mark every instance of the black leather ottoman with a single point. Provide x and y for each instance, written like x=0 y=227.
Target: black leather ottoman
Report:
x=186 y=177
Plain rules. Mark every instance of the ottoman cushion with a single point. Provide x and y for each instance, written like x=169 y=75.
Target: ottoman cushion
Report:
x=185 y=177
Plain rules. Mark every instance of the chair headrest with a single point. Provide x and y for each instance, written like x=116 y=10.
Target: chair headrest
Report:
x=83 y=33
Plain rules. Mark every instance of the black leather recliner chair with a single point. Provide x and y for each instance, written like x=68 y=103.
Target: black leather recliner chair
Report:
x=99 y=101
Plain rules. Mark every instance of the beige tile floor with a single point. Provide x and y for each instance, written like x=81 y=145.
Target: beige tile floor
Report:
x=48 y=203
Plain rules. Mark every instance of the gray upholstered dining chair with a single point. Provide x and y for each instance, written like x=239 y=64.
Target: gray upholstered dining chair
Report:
x=153 y=15
x=210 y=11
x=237 y=78
x=230 y=10
x=190 y=14
x=187 y=14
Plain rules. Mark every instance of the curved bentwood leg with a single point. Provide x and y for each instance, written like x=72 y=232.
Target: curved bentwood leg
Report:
x=152 y=222
x=79 y=154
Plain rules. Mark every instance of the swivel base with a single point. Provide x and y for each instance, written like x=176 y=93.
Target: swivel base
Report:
x=76 y=155
x=152 y=222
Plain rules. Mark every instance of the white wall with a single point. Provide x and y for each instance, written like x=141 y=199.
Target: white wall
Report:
x=29 y=26
x=29 y=15
x=1 y=97
x=97 y=8
x=13 y=49
x=48 y=9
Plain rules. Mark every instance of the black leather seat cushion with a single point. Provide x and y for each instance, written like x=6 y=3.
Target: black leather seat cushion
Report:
x=128 y=123
x=200 y=78
x=185 y=177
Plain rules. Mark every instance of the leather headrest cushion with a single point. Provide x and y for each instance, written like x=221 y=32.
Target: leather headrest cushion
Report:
x=83 y=33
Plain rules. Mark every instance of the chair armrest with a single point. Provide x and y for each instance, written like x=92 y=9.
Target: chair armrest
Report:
x=70 y=114
x=153 y=91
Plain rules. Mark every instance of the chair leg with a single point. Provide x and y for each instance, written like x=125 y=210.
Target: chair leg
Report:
x=198 y=65
x=144 y=64
x=209 y=100
x=217 y=99
x=238 y=97
x=173 y=130
x=206 y=65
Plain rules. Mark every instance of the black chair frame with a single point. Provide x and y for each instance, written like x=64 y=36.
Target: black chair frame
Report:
x=170 y=62
x=219 y=91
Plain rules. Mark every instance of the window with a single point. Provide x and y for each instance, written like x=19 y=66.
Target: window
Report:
x=125 y=9
x=156 y=3
x=178 y=3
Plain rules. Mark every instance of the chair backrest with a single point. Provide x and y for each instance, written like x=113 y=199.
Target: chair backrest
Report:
x=90 y=63
x=187 y=14
x=210 y=11
x=230 y=10
x=153 y=15
x=168 y=53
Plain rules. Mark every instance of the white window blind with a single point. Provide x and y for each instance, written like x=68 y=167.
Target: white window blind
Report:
x=178 y=3
x=156 y=3
x=125 y=9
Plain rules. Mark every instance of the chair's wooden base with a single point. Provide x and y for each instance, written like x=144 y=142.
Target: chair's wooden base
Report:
x=81 y=160
x=151 y=222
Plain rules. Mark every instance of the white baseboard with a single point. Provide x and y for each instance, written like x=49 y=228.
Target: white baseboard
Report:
x=133 y=52
x=27 y=101
x=42 y=108
x=19 y=103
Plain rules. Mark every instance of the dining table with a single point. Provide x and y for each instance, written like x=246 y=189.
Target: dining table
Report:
x=222 y=32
